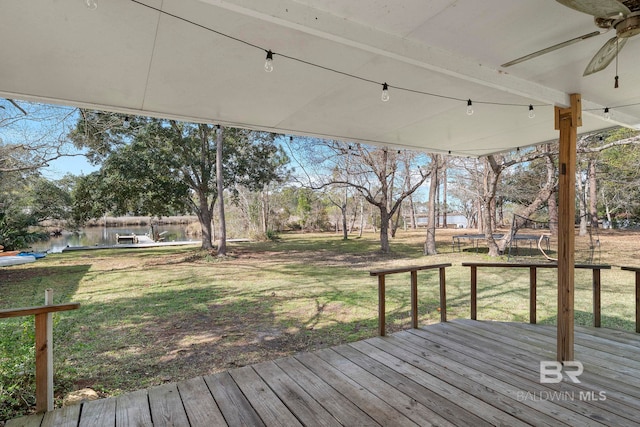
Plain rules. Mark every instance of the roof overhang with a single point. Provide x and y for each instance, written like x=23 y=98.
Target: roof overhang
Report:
x=167 y=58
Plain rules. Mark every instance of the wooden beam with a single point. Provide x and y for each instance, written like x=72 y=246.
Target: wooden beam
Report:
x=567 y=121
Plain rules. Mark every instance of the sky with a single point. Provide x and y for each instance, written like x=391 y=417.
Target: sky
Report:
x=77 y=165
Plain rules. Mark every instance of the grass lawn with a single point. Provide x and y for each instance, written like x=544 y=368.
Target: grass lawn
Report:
x=150 y=316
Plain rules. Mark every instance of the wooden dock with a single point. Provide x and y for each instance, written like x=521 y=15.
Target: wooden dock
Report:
x=461 y=372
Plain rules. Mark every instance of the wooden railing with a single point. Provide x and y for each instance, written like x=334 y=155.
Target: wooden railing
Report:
x=381 y=274
x=637 y=271
x=533 y=268
x=44 y=345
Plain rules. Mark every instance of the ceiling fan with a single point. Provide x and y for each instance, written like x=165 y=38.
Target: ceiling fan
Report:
x=621 y=15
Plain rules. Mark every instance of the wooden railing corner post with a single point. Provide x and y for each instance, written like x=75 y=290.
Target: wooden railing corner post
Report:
x=414 y=299
x=533 y=285
x=443 y=295
x=381 y=307
x=638 y=301
x=596 y=298
x=474 y=292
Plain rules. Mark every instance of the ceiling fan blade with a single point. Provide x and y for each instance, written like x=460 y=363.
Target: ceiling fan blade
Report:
x=597 y=8
x=605 y=55
x=550 y=49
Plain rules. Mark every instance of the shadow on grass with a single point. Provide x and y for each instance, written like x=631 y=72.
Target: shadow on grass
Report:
x=133 y=343
x=585 y=318
x=26 y=286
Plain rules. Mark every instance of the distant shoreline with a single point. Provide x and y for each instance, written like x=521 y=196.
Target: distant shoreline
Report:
x=120 y=221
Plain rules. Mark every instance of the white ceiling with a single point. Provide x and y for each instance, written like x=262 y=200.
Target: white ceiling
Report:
x=126 y=57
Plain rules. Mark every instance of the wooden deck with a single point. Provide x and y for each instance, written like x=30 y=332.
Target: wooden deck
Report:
x=462 y=372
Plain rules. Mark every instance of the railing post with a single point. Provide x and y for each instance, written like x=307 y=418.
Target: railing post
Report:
x=596 y=297
x=638 y=301
x=381 y=308
x=443 y=296
x=48 y=300
x=474 y=292
x=414 y=299
x=44 y=357
x=533 y=284
x=637 y=271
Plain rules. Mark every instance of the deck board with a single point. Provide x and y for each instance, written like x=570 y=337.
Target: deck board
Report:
x=235 y=407
x=166 y=406
x=300 y=403
x=376 y=408
x=335 y=403
x=512 y=379
x=201 y=408
x=461 y=372
x=266 y=403
x=132 y=410
x=65 y=417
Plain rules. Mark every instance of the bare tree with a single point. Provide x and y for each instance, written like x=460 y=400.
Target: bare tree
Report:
x=34 y=135
x=377 y=174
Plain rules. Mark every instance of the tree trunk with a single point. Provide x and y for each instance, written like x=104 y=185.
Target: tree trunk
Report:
x=206 y=218
x=479 y=219
x=396 y=222
x=412 y=213
x=553 y=212
x=264 y=201
x=222 y=238
x=430 y=240
x=582 y=205
x=445 y=209
x=384 y=230
x=361 y=217
x=343 y=210
x=437 y=201
x=492 y=170
x=606 y=209
x=593 y=194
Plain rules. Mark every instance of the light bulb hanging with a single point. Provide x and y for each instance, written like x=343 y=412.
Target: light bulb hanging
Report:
x=607 y=114
x=469 y=108
x=91 y=4
x=385 y=92
x=532 y=113
x=268 y=63
x=126 y=123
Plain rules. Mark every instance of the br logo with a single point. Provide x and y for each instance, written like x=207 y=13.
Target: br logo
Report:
x=552 y=371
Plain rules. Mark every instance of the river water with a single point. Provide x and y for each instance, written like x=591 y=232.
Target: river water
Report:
x=91 y=236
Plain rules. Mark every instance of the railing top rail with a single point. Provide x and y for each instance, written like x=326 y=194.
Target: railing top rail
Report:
x=29 y=311
x=407 y=269
x=536 y=265
x=636 y=269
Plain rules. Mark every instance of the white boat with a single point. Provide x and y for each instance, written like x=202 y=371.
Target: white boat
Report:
x=6 y=261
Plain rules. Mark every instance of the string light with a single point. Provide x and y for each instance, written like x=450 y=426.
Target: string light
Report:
x=607 y=114
x=126 y=123
x=268 y=63
x=91 y=4
x=385 y=92
x=532 y=114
